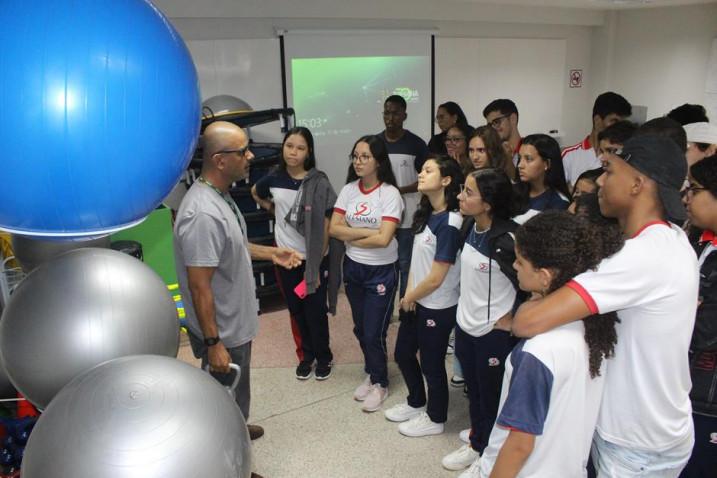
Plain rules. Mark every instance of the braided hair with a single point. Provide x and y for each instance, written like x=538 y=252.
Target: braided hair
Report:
x=569 y=245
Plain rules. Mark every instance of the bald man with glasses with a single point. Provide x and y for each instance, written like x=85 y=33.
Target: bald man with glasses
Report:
x=213 y=261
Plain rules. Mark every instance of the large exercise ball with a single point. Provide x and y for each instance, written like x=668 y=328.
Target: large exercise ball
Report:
x=7 y=390
x=78 y=310
x=99 y=114
x=32 y=251
x=147 y=416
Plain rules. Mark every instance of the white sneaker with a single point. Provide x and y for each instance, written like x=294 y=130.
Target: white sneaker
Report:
x=375 y=398
x=460 y=459
x=402 y=412
x=420 y=426
x=465 y=435
x=362 y=390
x=473 y=471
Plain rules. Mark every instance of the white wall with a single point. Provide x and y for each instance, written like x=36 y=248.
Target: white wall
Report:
x=659 y=56
x=656 y=57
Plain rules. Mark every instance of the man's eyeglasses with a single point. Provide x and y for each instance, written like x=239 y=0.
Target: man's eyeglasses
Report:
x=359 y=158
x=240 y=151
x=454 y=139
x=495 y=122
x=692 y=189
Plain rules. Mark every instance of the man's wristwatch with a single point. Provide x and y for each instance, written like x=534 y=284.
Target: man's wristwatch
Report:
x=209 y=341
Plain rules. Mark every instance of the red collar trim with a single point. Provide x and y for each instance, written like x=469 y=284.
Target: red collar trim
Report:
x=368 y=191
x=586 y=143
x=517 y=148
x=664 y=223
x=709 y=236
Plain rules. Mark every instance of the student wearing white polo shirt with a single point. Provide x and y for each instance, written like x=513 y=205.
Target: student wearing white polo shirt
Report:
x=553 y=382
x=489 y=290
x=609 y=108
x=365 y=217
x=430 y=301
x=285 y=191
x=407 y=153
x=644 y=427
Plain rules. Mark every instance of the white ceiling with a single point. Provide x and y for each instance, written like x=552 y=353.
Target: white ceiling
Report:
x=594 y=4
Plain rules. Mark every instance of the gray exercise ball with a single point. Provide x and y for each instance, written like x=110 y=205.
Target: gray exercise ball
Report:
x=144 y=415
x=222 y=104
x=78 y=310
x=31 y=251
x=7 y=390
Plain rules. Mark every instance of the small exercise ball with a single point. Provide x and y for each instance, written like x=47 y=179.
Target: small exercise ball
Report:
x=100 y=114
x=222 y=104
x=147 y=416
x=33 y=251
x=80 y=309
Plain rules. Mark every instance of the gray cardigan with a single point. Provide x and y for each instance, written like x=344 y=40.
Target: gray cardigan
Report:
x=307 y=215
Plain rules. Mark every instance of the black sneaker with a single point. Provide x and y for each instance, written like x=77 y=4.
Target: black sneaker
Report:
x=323 y=371
x=303 y=371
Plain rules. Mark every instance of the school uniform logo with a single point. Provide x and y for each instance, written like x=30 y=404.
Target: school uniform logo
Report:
x=381 y=289
x=362 y=213
x=430 y=323
x=493 y=362
x=362 y=209
x=713 y=438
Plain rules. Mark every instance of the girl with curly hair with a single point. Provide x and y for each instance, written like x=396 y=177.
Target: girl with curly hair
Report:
x=430 y=301
x=553 y=382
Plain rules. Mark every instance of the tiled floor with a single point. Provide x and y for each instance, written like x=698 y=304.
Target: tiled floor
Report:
x=316 y=430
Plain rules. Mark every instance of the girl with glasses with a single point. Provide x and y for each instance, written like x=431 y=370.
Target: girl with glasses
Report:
x=448 y=114
x=366 y=215
x=456 y=141
x=488 y=295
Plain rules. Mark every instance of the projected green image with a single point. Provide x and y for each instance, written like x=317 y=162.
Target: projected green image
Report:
x=332 y=95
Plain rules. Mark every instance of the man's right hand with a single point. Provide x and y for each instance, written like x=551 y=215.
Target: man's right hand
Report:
x=219 y=358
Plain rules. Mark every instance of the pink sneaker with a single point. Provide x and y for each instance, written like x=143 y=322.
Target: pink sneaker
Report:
x=375 y=398
x=362 y=390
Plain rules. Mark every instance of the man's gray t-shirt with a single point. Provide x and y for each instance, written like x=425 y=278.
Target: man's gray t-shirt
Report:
x=207 y=234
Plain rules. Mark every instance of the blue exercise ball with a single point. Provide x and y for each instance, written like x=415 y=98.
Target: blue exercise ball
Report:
x=99 y=114
x=142 y=416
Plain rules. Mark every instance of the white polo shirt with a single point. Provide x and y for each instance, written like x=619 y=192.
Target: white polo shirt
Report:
x=481 y=278
x=579 y=158
x=548 y=392
x=367 y=208
x=652 y=283
x=439 y=241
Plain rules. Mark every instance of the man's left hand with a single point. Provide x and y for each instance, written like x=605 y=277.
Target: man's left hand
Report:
x=287 y=258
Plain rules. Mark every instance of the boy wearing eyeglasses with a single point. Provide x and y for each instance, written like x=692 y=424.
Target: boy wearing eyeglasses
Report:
x=502 y=115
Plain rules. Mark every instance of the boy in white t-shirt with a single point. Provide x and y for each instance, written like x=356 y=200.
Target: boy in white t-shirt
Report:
x=644 y=427
x=553 y=382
